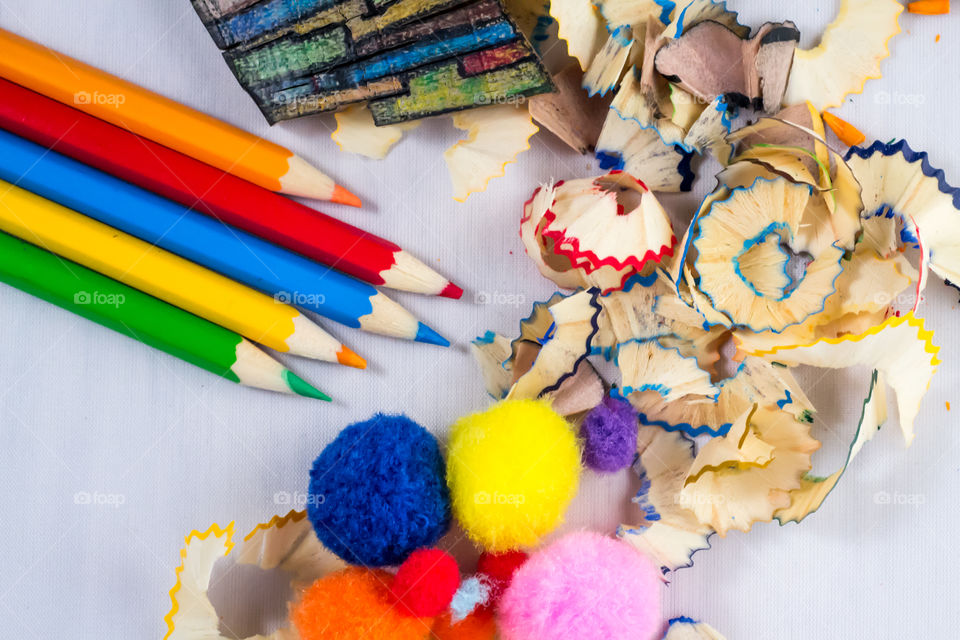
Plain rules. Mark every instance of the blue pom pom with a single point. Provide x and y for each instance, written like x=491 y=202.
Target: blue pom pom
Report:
x=378 y=492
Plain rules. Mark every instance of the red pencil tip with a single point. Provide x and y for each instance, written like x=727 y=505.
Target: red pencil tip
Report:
x=452 y=291
x=342 y=196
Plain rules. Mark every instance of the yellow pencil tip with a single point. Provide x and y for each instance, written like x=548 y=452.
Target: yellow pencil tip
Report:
x=342 y=196
x=349 y=358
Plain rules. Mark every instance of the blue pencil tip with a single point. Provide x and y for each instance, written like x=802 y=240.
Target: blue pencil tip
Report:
x=428 y=335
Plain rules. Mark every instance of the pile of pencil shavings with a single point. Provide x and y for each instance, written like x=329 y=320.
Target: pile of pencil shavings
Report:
x=678 y=73
x=800 y=256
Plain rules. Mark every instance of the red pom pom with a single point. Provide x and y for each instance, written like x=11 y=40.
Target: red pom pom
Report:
x=426 y=582
x=498 y=569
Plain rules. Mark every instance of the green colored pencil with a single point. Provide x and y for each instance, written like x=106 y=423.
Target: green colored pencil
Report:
x=144 y=318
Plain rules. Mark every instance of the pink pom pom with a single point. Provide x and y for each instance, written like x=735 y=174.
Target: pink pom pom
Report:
x=426 y=581
x=584 y=586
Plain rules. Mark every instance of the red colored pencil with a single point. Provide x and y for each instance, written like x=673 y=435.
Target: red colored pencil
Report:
x=213 y=192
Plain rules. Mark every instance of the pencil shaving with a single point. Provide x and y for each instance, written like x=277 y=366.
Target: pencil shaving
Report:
x=611 y=220
x=563 y=346
x=570 y=114
x=649 y=366
x=767 y=453
x=357 y=133
x=900 y=348
x=666 y=531
x=495 y=137
x=286 y=543
x=814 y=490
x=581 y=25
x=689 y=629
x=850 y=52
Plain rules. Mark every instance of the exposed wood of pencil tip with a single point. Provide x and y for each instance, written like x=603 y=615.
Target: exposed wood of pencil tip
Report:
x=388 y=318
x=410 y=274
x=311 y=341
x=254 y=368
x=305 y=180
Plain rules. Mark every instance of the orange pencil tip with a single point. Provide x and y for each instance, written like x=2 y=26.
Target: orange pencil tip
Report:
x=342 y=196
x=929 y=7
x=846 y=132
x=349 y=358
x=451 y=291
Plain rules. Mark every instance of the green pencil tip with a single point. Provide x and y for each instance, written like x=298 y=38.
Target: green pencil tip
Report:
x=303 y=388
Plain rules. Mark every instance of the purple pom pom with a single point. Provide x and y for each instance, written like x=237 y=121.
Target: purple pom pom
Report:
x=609 y=433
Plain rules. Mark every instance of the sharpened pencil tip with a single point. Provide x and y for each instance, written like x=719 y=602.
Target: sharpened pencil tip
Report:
x=303 y=388
x=342 y=196
x=349 y=358
x=429 y=336
x=451 y=291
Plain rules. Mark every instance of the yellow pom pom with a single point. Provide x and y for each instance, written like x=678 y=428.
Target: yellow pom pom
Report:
x=512 y=471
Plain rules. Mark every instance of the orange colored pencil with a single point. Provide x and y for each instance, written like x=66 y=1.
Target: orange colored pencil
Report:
x=165 y=121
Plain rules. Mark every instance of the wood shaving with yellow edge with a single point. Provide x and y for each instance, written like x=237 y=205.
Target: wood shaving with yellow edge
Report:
x=496 y=135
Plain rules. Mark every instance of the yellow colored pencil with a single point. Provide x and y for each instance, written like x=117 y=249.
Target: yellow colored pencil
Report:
x=163 y=120
x=167 y=276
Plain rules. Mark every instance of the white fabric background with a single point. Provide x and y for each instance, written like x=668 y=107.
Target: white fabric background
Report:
x=83 y=409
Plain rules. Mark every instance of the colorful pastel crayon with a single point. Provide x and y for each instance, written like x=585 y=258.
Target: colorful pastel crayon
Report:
x=231 y=22
x=216 y=9
x=414 y=58
x=204 y=240
x=416 y=37
x=167 y=276
x=144 y=318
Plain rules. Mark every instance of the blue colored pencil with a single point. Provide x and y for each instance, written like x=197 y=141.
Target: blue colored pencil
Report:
x=289 y=277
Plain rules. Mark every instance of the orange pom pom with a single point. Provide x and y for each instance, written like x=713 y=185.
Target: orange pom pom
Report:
x=479 y=625
x=355 y=604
